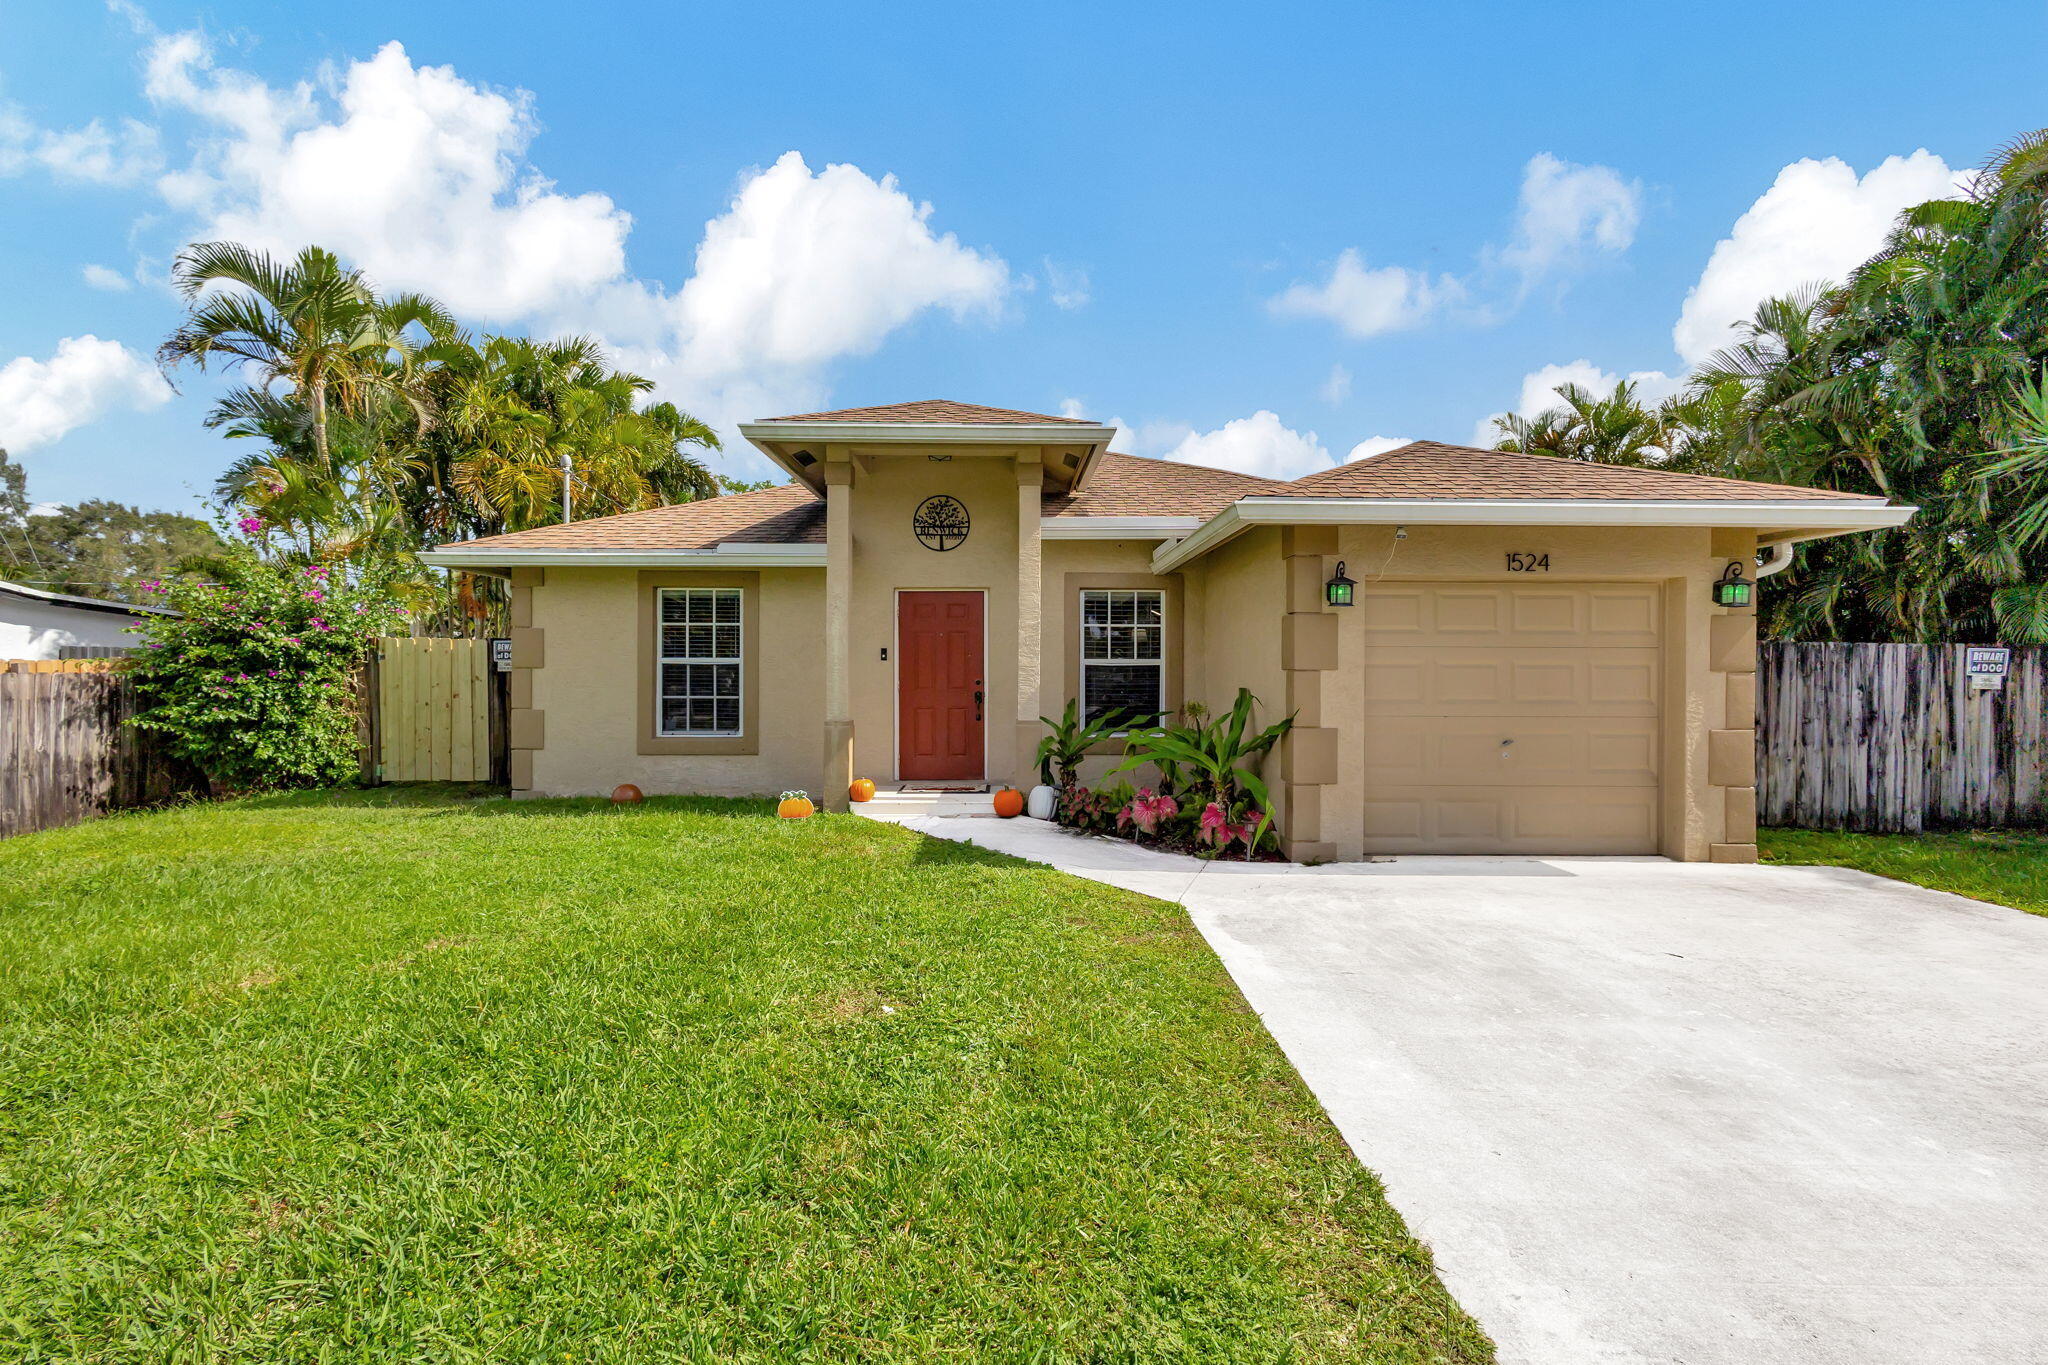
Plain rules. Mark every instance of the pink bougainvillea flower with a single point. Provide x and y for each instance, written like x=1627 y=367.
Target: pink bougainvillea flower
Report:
x=251 y=526
x=315 y=595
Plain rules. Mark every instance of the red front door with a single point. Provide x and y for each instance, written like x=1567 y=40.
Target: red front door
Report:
x=938 y=686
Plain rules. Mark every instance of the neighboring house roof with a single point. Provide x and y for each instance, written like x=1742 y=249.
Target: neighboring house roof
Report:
x=1127 y=486
x=943 y=410
x=65 y=599
x=1430 y=469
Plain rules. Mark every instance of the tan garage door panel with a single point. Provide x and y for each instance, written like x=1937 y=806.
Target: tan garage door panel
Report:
x=1511 y=718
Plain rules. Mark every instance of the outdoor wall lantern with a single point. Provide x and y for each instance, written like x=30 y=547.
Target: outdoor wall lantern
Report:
x=1337 y=592
x=1731 y=589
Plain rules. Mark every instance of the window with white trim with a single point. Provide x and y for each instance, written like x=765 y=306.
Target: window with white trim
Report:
x=697 y=663
x=1123 y=654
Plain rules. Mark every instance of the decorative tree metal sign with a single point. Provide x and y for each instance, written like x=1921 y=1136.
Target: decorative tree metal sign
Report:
x=940 y=522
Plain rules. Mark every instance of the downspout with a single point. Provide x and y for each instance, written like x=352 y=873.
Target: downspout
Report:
x=1773 y=557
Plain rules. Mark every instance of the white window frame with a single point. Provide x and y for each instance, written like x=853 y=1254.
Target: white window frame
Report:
x=1081 y=646
x=662 y=658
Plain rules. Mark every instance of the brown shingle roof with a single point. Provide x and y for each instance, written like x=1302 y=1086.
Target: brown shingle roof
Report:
x=1127 y=486
x=1430 y=469
x=789 y=515
x=934 y=410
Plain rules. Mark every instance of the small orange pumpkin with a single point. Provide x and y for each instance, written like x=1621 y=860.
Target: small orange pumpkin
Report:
x=626 y=794
x=794 y=806
x=1009 y=803
x=863 y=789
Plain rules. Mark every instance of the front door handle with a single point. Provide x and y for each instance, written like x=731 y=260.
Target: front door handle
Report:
x=977 y=699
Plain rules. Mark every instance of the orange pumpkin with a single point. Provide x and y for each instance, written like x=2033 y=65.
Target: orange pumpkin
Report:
x=794 y=806
x=863 y=789
x=1009 y=803
x=626 y=794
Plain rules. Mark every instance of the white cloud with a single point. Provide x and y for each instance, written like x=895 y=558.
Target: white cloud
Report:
x=1368 y=301
x=805 y=267
x=411 y=172
x=422 y=179
x=1817 y=222
x=94 y=154
x=41 y=400
x=1067 y=285
x=1567 y=211
x=100 y=277
x=1376 y=445
x=1258 y=444
x=1337 y=387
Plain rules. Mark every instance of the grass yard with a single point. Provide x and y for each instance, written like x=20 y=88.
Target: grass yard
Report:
x=420 y=1076
x=2007 y=867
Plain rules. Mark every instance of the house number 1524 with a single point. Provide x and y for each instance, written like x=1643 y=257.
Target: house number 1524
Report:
x=1521 y=561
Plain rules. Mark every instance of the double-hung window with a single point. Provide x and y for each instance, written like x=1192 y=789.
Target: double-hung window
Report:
x=698 y=662
x=1123 y=654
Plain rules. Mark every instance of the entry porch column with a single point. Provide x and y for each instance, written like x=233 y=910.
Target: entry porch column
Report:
x=837 y=773
x=1030 y=616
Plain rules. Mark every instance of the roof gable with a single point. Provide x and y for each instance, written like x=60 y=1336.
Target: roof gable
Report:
x=935 y=410
x=1430 y=469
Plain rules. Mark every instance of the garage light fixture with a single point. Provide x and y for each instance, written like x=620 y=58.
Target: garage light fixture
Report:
x=1732 y=589
x=1337 y=592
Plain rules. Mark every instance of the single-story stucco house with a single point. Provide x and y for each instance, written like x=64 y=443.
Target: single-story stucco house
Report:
x=35 y=624
x=1535 y=658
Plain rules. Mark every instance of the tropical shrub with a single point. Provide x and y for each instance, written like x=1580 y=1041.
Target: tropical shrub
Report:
x=1215 y=763
x=1087 y=810
x=1060 y=753
x=251 y=681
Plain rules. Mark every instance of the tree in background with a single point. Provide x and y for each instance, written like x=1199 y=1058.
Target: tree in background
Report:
x=384 y=428
x=92 y=549
x=1915 y=380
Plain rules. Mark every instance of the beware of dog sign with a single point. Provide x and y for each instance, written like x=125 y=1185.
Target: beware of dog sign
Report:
x=1987 y=666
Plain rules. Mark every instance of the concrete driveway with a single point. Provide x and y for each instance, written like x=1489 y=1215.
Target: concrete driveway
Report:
x=1652 y=1111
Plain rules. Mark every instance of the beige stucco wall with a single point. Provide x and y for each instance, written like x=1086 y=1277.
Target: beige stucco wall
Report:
x=888 y=557
x=1683 y=562
x=587 y=690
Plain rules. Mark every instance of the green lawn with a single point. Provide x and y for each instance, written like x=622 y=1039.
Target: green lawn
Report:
x=2008 y=867
x=425 y=1077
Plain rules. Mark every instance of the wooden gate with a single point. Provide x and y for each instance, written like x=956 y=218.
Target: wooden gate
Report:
x=434 y=720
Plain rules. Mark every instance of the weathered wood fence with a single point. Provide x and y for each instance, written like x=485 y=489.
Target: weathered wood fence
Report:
x=66 y=752
x=1892 y=738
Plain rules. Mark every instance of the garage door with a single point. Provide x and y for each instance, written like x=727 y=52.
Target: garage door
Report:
x=1510 y=718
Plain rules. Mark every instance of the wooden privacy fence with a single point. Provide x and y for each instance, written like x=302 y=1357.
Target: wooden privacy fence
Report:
x=1892 y=738
x=436 y=714
x=66 y=752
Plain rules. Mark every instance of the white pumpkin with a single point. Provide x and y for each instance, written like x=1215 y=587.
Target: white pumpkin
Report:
x=1042 y=802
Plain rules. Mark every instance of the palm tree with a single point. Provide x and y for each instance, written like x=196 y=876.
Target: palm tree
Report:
x=311 y=325
x=1611 y=428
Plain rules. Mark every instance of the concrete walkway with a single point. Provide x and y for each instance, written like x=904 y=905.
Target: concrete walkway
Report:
x=1651 y=1111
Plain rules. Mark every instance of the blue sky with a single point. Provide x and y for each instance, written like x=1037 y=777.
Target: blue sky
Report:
x=1268 y=238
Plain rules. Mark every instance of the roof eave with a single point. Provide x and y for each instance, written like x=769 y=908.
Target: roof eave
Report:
x=1796 y=518
x=731 y=555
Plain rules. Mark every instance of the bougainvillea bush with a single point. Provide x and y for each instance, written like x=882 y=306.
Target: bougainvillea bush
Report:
x=251 y=682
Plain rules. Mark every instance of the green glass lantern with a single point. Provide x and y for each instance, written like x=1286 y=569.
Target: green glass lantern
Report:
x=1731 y=589
x=1337 y=592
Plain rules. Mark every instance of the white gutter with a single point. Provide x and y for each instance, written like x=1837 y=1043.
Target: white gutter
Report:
x=1810 y=517
x=1777 y=556
x=728 y=556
